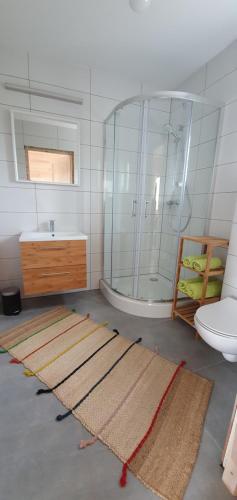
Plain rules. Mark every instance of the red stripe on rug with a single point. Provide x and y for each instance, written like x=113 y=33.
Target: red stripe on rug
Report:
x=123 y=478
x=16 y=361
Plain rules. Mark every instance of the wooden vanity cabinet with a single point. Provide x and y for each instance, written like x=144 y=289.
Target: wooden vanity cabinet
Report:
x=53 y=266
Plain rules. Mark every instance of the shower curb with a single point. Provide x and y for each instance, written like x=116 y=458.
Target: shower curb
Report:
x=145 y=309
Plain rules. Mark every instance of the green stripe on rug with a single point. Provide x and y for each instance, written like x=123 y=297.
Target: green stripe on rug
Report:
x=38 y=331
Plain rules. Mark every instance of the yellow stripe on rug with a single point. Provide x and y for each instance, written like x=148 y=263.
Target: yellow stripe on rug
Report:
x=29 y=373
x=49 y=334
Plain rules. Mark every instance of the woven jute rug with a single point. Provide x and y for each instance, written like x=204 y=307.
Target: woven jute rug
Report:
x=146 y=409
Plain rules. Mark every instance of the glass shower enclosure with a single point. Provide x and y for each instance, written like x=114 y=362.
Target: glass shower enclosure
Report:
x=158 y=164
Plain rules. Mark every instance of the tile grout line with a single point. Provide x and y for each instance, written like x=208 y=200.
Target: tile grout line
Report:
x=208 y=366
x=212 y=438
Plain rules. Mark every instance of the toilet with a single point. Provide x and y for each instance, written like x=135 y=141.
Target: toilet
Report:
x=217 y=324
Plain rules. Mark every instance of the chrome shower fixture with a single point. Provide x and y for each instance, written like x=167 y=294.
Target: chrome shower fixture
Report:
x=175 y=133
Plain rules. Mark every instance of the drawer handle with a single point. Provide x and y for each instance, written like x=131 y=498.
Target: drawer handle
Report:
x=52 y=248
x=54 y=274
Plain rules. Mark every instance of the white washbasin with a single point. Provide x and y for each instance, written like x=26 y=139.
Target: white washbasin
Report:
x=56 y=236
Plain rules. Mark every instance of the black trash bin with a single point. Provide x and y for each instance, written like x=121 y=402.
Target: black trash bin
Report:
x=11 y=301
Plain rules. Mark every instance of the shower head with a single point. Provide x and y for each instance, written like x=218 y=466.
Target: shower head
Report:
x=171 y=130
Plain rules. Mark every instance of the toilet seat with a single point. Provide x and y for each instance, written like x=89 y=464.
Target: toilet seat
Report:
x=219 y=318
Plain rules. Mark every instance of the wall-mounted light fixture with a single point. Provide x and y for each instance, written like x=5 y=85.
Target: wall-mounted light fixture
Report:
x=42 y=93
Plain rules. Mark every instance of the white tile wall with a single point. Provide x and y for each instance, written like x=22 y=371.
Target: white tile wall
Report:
x=230 y=276
x=13 y=63
x=196 y=82
x=226 y=178
x=70 y=77
x=113 y=86
x=223 y=64
x=28 y=207
x=13 y=98
x=218 y=80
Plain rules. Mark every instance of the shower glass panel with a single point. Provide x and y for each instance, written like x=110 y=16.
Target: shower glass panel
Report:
x=158 y=166
x=167 y=145
x=126 y=180
x=176 y=211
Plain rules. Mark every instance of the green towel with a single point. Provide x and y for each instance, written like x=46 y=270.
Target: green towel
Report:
x=200 y=265
x=182 y=284
x=194 y=290
x=188 y=261
x=199 y=262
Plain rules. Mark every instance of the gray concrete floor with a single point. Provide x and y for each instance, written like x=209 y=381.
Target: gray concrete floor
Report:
x=40 y=459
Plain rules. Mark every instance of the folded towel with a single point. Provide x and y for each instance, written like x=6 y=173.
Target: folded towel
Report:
x=188 y=261
x=194 y=290
x=182 y=284
x=200 y=265
x=199 y=262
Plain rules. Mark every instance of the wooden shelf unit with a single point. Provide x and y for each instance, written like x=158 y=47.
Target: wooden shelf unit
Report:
x=214 y=272
x=188 y=307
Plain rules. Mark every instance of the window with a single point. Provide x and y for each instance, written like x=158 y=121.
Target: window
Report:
x=49 y=165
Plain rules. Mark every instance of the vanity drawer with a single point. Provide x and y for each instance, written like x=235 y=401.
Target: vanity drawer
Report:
x=45 y=280
x=52 y=253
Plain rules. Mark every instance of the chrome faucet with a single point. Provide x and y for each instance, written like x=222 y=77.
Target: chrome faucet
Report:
x=51 y=226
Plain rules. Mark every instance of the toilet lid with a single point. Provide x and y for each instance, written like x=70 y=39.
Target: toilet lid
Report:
x=219 y=317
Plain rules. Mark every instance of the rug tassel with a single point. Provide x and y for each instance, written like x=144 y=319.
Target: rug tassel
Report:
x=14 y=361
x=123 y=478
x=62 y=417
x=87 y=442
x=28 y=373
x=43 y=391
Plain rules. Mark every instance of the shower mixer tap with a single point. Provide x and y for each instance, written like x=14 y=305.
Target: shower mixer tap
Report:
x=134 y=208
x=146 y=208
x=172 y=203
x=51 y=226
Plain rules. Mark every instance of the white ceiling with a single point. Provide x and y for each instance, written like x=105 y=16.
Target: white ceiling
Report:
x=164 y=45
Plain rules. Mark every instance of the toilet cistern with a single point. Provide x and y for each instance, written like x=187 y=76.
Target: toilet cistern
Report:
x=51 y=226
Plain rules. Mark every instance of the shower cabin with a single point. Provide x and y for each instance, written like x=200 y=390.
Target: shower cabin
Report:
x=159 y=155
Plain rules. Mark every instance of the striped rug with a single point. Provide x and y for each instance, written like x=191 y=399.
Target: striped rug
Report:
x=146 y=409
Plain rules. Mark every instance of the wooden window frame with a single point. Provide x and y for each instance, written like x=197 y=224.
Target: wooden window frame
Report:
x=48 y=150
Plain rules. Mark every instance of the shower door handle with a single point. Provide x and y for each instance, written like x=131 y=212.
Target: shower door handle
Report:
x=134 y=208
x=146 y=208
